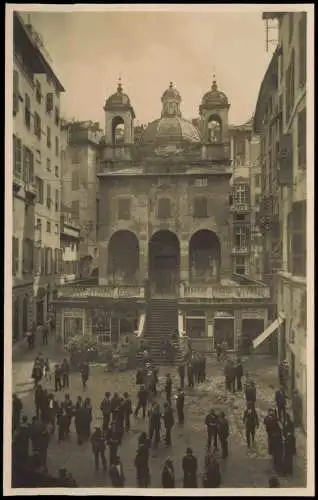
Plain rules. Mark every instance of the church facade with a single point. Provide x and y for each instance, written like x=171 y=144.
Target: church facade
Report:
x=165 y=238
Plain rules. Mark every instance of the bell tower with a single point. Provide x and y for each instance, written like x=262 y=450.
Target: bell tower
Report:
x=119 y=119
x=214 y=110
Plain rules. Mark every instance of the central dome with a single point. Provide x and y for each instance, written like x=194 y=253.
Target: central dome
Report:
x=167 y=130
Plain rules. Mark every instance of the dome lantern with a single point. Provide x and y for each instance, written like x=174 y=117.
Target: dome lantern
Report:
x=171 y=100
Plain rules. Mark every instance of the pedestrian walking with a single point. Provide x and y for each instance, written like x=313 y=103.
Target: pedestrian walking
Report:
x=45 y=334
x=61 y=421
x=250 y=393
x=142 y=467
x=106 y=409
x=289 y=451
x=168 y=388
x=277 y=450
x=154 y=423
x=142 y=401
x=113 y=442
x=271 y=423
x=238 y=374
x=190 y=374
x=127 y=409
x=280 y=400
x=181 y=372
x=223 y=433
x=212 y=474
x=79 y=419
x=87 y=419
x=84 y=370
x=65 y=372
x=250 y=419
x=38 y=401
x=17 y=407
x=211 y=422
x=168 y=422
x=116 y=474
x=52 y=412
x=167 y=476
x=37 y=372
x=58 y=378
x=21 y=442
x=180 y=406
x=98 y=448
x=190 y=468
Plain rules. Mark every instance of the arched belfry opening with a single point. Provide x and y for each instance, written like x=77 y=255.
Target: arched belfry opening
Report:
x=204 y=257
x=164 y=262
x=123 y=258
x=214 y=129
x=118 y=131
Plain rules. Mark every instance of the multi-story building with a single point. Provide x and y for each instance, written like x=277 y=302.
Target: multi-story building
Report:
x=80 y=193
x=165 y=241
x=70 y=241
x=246 y=190
x=280 y=118
x=36 y=218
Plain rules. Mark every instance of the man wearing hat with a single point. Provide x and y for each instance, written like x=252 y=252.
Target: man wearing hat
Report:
x=98 y=447
x=189 y=467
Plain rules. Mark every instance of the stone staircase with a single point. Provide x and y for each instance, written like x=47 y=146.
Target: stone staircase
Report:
x=161 y=322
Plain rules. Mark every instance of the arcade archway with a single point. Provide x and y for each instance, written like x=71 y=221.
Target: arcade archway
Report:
x=164 y=262
x=123 y=258
x=204 y=257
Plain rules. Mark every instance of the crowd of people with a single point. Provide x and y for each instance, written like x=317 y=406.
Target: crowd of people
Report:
x=116 y=411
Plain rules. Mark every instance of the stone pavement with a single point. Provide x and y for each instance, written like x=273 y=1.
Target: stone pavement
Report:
x=244 y=468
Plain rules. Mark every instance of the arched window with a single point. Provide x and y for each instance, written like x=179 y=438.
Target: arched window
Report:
x=123 y=258
x=118 y=131
x=204 y=257
x=214 y=129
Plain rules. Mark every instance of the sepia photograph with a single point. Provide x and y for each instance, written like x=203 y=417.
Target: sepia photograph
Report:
x=156 y=310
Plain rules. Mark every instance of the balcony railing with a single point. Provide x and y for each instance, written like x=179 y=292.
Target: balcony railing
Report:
x=240 y=250
x=117 y=292
x=30 y=188
x=225 y=292
x=68 y=220
x=240 y=207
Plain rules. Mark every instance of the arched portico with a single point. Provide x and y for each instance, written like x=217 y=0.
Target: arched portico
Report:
x=204 y=257
x=123 y=258
x=164 y=262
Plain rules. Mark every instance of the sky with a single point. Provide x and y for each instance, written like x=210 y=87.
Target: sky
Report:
x=91 y=50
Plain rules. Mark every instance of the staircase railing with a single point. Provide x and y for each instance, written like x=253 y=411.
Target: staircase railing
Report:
x=141 y=326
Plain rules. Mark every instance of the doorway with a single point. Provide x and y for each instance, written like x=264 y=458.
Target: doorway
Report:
x=251 y=329
x=224 y=332
x=164 y=263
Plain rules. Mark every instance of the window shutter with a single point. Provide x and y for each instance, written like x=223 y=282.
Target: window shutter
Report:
x=43 y=261
x=16 y=92
x=49 y=102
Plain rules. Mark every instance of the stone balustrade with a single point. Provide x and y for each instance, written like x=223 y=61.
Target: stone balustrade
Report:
x=125 y=291
x=225 y=292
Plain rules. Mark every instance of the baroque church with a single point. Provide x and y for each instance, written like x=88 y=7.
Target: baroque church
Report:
x=164 y=231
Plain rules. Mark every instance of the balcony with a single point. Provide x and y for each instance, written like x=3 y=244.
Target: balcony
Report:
x=240 y=250
x=240 y=207
x=109 y=292
x=30 y=189
x=17 y=182
x=225 y=292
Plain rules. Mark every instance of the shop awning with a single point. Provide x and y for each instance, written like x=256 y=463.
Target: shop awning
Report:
x=269 y=330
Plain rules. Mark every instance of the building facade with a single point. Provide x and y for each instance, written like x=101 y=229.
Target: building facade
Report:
x=245 y=201
x=281 y=119
x=70 y=241
x=165 y=240
x=80 y=186
x=36 y=184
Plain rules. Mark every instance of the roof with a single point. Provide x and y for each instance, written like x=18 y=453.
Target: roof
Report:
x=214 y=96
x=39 y=62
x=170 y=129
x=119 y=100
x=267 y=85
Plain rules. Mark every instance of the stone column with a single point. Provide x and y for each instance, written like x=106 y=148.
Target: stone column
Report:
x=184 y=261
x=103 y=263
x=143 y=261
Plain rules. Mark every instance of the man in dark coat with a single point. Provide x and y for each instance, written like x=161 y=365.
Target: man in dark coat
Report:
x=127 y=409
x=69 y=412
x=79 y=420
x=289 y=453
x=116 y=474
x=17 y=408
x=250 y=419
x=211 y=422
x=212 y=474
x=167 y=476
x=280 y=400
x=180 y=406
x=142 y=467
x=169 y=422
x=65 y=369
x=190 y=373
x=142 y=401
x=223 y=433
x=21 y=441
x=84 y=369
x=113 y=441
x=154 y=423
x=53 y=409
x=238 y=374
x=114 y=403
x=190 y=468
x=38 y=400
x=271 y=423
x=277 y=449
x=250 y=393
x=168 y=388
x=106 y=409
x=44 y=440
x=58 y=377
x=98 y=447
x=181 y=372
x=62 y=423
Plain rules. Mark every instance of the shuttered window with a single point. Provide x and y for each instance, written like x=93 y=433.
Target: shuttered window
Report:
x=17 y=156
x=37 y=125
x=28 y=165
x=302 y=138
x=48 y=261
x=15 y=255
x=43 y=257
x=37 y=260
x=200 y=207
x=16 y=92
x=48 y=196
x=124 y=207
x=299 y=243
x=49 y=102
x=28 y=256
x=27 y=111
x=164 y=208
